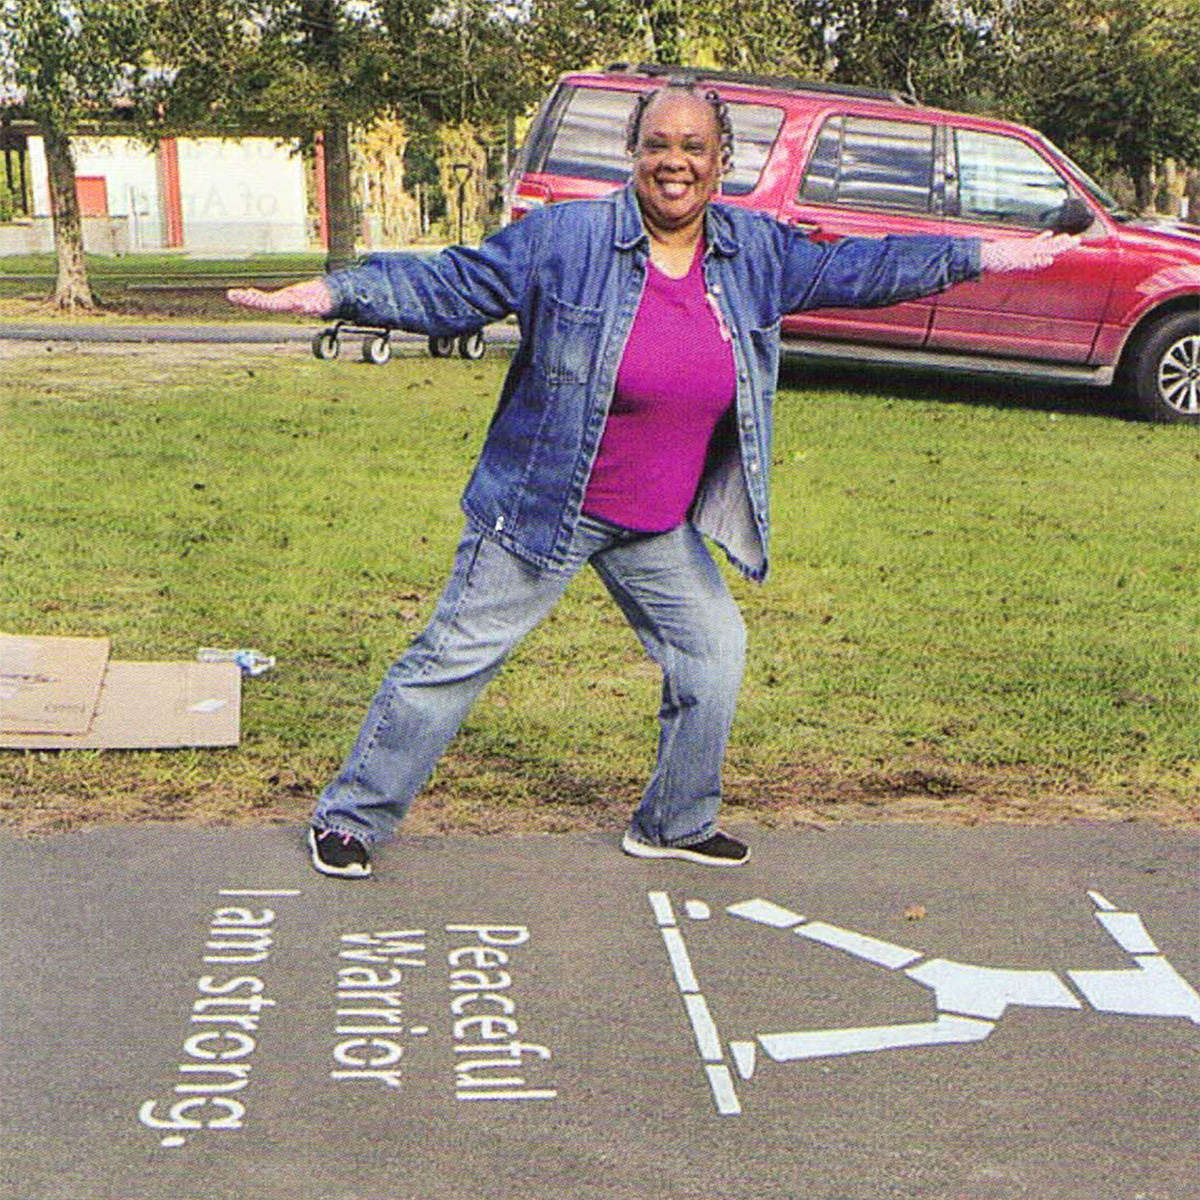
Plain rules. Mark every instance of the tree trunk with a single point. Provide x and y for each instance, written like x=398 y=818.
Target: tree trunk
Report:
x=339 y=195
x=1175 y=187
x=322 y=27
x=71 y=290
x=1191 y=195
x=1145 y=187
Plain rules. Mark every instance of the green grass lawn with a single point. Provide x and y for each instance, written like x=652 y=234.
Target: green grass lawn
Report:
x=975 y=607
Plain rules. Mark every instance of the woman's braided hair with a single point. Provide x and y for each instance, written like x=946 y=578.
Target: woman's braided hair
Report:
x=720 y=111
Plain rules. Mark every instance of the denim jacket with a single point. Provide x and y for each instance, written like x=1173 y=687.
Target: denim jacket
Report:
x=573 y=274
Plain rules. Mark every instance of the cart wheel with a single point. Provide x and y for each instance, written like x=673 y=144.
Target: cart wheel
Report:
x=471 y=345
x=325 y=344
x=441 y=347
x=376 y=349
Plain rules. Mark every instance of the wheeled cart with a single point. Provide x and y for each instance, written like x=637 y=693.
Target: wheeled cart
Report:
x=377 y=344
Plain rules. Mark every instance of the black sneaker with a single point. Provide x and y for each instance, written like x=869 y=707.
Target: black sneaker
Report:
x=720 y=850
x=338 y=853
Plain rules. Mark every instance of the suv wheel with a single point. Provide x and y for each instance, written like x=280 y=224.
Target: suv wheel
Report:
x=1164 y=370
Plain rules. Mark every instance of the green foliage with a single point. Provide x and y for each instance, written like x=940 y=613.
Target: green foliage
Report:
x=66 y=59
x=461 y=59
x=753 y=35
x=937 y=51
x=1117 y=82
x=7 y=204
x=287 y=65
x=283 y=66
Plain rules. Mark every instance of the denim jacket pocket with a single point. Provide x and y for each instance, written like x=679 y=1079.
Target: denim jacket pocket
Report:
x=569 y=340
x=764 y=344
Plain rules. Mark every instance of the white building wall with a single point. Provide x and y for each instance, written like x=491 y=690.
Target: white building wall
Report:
x=131 y=172
x=242 y=197
x=238 y=197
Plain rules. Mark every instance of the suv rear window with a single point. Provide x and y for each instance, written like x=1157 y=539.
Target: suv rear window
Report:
x=864 y=161
x=589 y=140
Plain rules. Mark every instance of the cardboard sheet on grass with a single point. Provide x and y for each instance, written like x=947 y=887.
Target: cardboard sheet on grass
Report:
x=66 y=694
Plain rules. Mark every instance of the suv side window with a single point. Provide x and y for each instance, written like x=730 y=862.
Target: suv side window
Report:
x=589 y=141
x=1002 y=179
x=871 y=163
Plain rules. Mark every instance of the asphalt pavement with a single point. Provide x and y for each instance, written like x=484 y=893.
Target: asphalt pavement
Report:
x=861 y=1013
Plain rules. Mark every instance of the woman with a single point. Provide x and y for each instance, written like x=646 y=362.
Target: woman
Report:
x=635 y=417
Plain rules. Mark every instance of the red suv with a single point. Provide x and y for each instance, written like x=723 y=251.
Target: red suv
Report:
x=1124 y=306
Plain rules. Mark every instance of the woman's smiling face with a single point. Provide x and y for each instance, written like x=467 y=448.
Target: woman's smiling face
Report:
x=677 y=161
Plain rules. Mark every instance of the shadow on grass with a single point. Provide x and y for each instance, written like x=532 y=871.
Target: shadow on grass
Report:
x=982 y=391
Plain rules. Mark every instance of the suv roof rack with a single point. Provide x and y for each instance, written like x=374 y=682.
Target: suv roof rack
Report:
x=792 y=83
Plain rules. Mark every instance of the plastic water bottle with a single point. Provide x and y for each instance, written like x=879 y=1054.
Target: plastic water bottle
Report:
x=252 y=662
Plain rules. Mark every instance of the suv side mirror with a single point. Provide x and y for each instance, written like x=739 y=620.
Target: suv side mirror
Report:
x=1073 y=217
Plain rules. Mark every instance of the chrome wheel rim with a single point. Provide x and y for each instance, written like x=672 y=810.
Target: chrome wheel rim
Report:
x=1179 y=375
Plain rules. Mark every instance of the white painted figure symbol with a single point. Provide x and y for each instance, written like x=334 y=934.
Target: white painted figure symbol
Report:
x=968 y=999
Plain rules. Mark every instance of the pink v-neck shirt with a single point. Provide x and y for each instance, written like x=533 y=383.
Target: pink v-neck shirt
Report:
x=675 y=382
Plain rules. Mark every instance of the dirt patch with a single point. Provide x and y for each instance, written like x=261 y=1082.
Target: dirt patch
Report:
x=41 y=793
x=945 y=793
x=167 y=353
x=193 y=301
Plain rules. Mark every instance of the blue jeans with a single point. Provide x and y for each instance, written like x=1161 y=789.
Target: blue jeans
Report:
x=673 y=596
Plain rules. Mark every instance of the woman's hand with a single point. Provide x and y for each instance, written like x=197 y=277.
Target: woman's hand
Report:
x=1025 y=254
x=310 y=298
